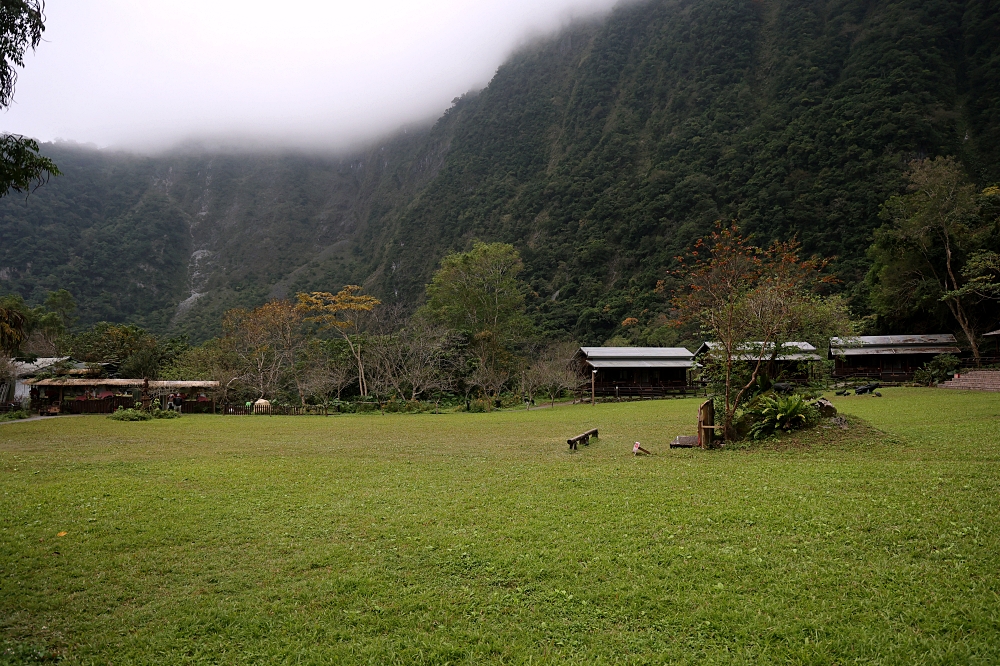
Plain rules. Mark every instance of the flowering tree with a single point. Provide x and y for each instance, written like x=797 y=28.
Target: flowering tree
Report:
x=752 y=300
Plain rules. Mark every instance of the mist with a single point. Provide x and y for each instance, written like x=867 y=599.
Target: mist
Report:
x=147 y=76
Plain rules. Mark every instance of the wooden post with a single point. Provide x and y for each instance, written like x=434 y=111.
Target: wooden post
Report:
x=593 y=390
x=706 y=423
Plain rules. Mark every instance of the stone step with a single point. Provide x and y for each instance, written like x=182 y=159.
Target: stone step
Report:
x=975 y=380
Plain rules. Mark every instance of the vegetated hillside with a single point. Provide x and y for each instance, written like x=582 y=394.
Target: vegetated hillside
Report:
x=605 y=152
x=172 y=242
x=601 y=153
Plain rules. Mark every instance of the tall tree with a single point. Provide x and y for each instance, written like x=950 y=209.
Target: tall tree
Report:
x=340 y=313
x=479 y=293
x=22 y=23
x=750 y=301
x=919 y=255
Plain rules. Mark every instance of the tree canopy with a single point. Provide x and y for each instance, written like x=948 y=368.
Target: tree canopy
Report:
x=935 y=249
x=22 y=23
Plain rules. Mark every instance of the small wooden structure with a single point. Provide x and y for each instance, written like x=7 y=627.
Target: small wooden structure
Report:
x=706 y=424
x=584 y=438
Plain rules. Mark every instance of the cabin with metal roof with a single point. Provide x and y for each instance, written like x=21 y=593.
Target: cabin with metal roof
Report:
x=636 y=371
x=888 y=358
x=795 y=362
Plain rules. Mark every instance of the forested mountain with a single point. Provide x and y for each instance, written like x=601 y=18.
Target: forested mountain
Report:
x=600 y=153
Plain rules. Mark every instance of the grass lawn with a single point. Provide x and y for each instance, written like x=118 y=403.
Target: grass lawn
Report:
x=477 y=538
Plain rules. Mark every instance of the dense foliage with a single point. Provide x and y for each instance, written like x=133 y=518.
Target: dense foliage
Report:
x=22 y=23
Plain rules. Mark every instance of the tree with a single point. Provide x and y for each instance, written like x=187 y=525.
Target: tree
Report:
x=920 y=255
x=339 y=312
x=328 y=369
x=479 y=294
x=267 y=341
x=215 y=360
x=982 y=275
x=553 y=372
x=12 y=329
x=751 y=301
x=412 y=360
x=110 y=343
x=62 y=304
x=41 y=327
x=22 y=23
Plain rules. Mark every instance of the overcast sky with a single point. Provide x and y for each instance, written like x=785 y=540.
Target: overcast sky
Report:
x=147 y=74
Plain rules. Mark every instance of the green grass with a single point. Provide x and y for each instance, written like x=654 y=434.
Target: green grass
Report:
x=477 y=538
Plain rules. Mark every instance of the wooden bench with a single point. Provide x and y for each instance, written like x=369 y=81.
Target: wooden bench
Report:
x=585 y=438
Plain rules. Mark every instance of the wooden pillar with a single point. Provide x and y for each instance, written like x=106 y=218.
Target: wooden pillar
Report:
x=593 y=389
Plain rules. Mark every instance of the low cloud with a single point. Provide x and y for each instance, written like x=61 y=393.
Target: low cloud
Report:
x=319 y=75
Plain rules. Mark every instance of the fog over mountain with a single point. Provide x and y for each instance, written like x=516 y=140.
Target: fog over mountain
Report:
x=316 y=75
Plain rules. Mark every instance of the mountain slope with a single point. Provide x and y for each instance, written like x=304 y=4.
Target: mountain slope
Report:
x=600 y=153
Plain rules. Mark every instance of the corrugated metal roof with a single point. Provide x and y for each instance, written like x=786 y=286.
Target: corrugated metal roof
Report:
x=641 y=363
x=802 y=347
x=940 y=340
x=635 y=352
x=137 y=383
x=894 y=351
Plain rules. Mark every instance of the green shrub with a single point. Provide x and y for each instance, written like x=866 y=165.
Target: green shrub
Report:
x=938 y=369
x=122 y=414
x=15 y=415
x=773 y=413
x=158 y=413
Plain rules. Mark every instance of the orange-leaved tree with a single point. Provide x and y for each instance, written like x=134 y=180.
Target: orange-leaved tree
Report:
x=751 y=301
x=339 y=312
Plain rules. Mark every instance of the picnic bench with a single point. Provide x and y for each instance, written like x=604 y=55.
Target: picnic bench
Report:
x=585 y=438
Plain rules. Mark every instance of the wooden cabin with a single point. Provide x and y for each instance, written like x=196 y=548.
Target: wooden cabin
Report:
x=888 y=358
x=796 y=362
x=636 y=371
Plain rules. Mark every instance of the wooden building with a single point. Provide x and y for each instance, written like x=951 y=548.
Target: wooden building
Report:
x=888 y=358
x=636 y=371
x=97 y=395
x=797 y=361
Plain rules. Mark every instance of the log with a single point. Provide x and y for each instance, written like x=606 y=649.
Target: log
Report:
x=585 y=438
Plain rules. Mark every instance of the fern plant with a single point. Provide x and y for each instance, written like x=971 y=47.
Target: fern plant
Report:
x=774 y=413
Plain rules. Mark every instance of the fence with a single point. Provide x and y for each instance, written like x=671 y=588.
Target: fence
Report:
x=609 y=390
x=248 y=409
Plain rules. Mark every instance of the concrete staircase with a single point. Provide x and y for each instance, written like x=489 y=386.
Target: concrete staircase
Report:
x=975 y=380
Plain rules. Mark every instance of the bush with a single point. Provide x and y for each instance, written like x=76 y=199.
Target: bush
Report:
x=938 y=369
x=158 y=413
x=122 y=414
x=15 y=415
x=773 y=413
